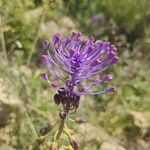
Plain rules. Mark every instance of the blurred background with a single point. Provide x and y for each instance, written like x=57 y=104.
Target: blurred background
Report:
x=119 y=121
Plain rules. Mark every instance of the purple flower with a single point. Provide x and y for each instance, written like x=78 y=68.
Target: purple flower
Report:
x=82 y=60
x=98 y=18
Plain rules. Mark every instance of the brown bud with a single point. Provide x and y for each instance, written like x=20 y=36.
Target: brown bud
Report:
x=80 y=119
x=74 y=143
x=62 y=91
x=62 y=114
x=44 y=131
x=57 y=99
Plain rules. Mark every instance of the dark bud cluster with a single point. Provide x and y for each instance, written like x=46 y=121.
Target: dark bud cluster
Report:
x=67 y=98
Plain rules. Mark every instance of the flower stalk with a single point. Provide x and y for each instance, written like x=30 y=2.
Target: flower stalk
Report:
x=61 y=127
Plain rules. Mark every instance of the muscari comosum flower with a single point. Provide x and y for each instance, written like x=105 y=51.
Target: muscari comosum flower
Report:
x=83 y=61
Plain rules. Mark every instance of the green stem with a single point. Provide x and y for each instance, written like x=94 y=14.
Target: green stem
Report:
x=62 y=123
x=60 y=131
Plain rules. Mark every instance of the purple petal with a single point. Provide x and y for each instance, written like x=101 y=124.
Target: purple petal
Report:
x=112 y=89
x=56 y=38
x=46 y=44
